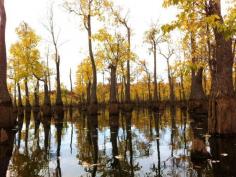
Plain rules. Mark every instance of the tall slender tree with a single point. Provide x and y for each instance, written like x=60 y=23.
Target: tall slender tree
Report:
x=153 y=37
x=124 y=21
x=87 y=10
x=54 y=37
x=168 y=54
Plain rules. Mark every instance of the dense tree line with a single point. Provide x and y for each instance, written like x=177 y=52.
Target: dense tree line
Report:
x=200 y=65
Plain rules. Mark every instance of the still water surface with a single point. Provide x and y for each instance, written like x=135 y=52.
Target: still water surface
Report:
x=142 y=144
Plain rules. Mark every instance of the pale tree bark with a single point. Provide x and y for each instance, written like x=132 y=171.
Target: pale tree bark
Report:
x=48 y=74
x=167 y=56
x=54 y=37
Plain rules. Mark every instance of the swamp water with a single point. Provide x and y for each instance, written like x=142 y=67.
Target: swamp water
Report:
x=142 y=144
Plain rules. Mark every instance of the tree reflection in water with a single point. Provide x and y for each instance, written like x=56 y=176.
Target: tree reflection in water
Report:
x=141 y=143
x=6 y=152
x=28 y=160
x=114 y=128
x=59 y=118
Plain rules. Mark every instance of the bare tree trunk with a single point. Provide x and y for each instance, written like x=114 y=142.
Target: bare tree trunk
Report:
x=113 y=96
x=48 y=76
x=6 y=117
x=5 y=98
x=54 y=37
x=180 y=92
x=71 y=88
x=137 y=97
x=93 y=98
x=103 y=84
x=122 y=90
x=15 y=95
x=197 y=99
x=88 y=92
x=113 y=93
x=149 y=88
x=58 y=80
x=20 y=105
x=205 y=83
x=171 y=84
x=182 y=86
x=159 y=92
x=47 y=99
x=36 y=95
x=127 y=91
x=222 y=113
x=235 y=78
x=155 y=74
x=27 y=99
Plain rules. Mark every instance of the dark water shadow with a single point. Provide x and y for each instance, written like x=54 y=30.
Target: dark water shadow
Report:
x=6 y=152
x=223 y=152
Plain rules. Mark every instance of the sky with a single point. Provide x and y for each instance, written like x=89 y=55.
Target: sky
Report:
x=72 y=36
